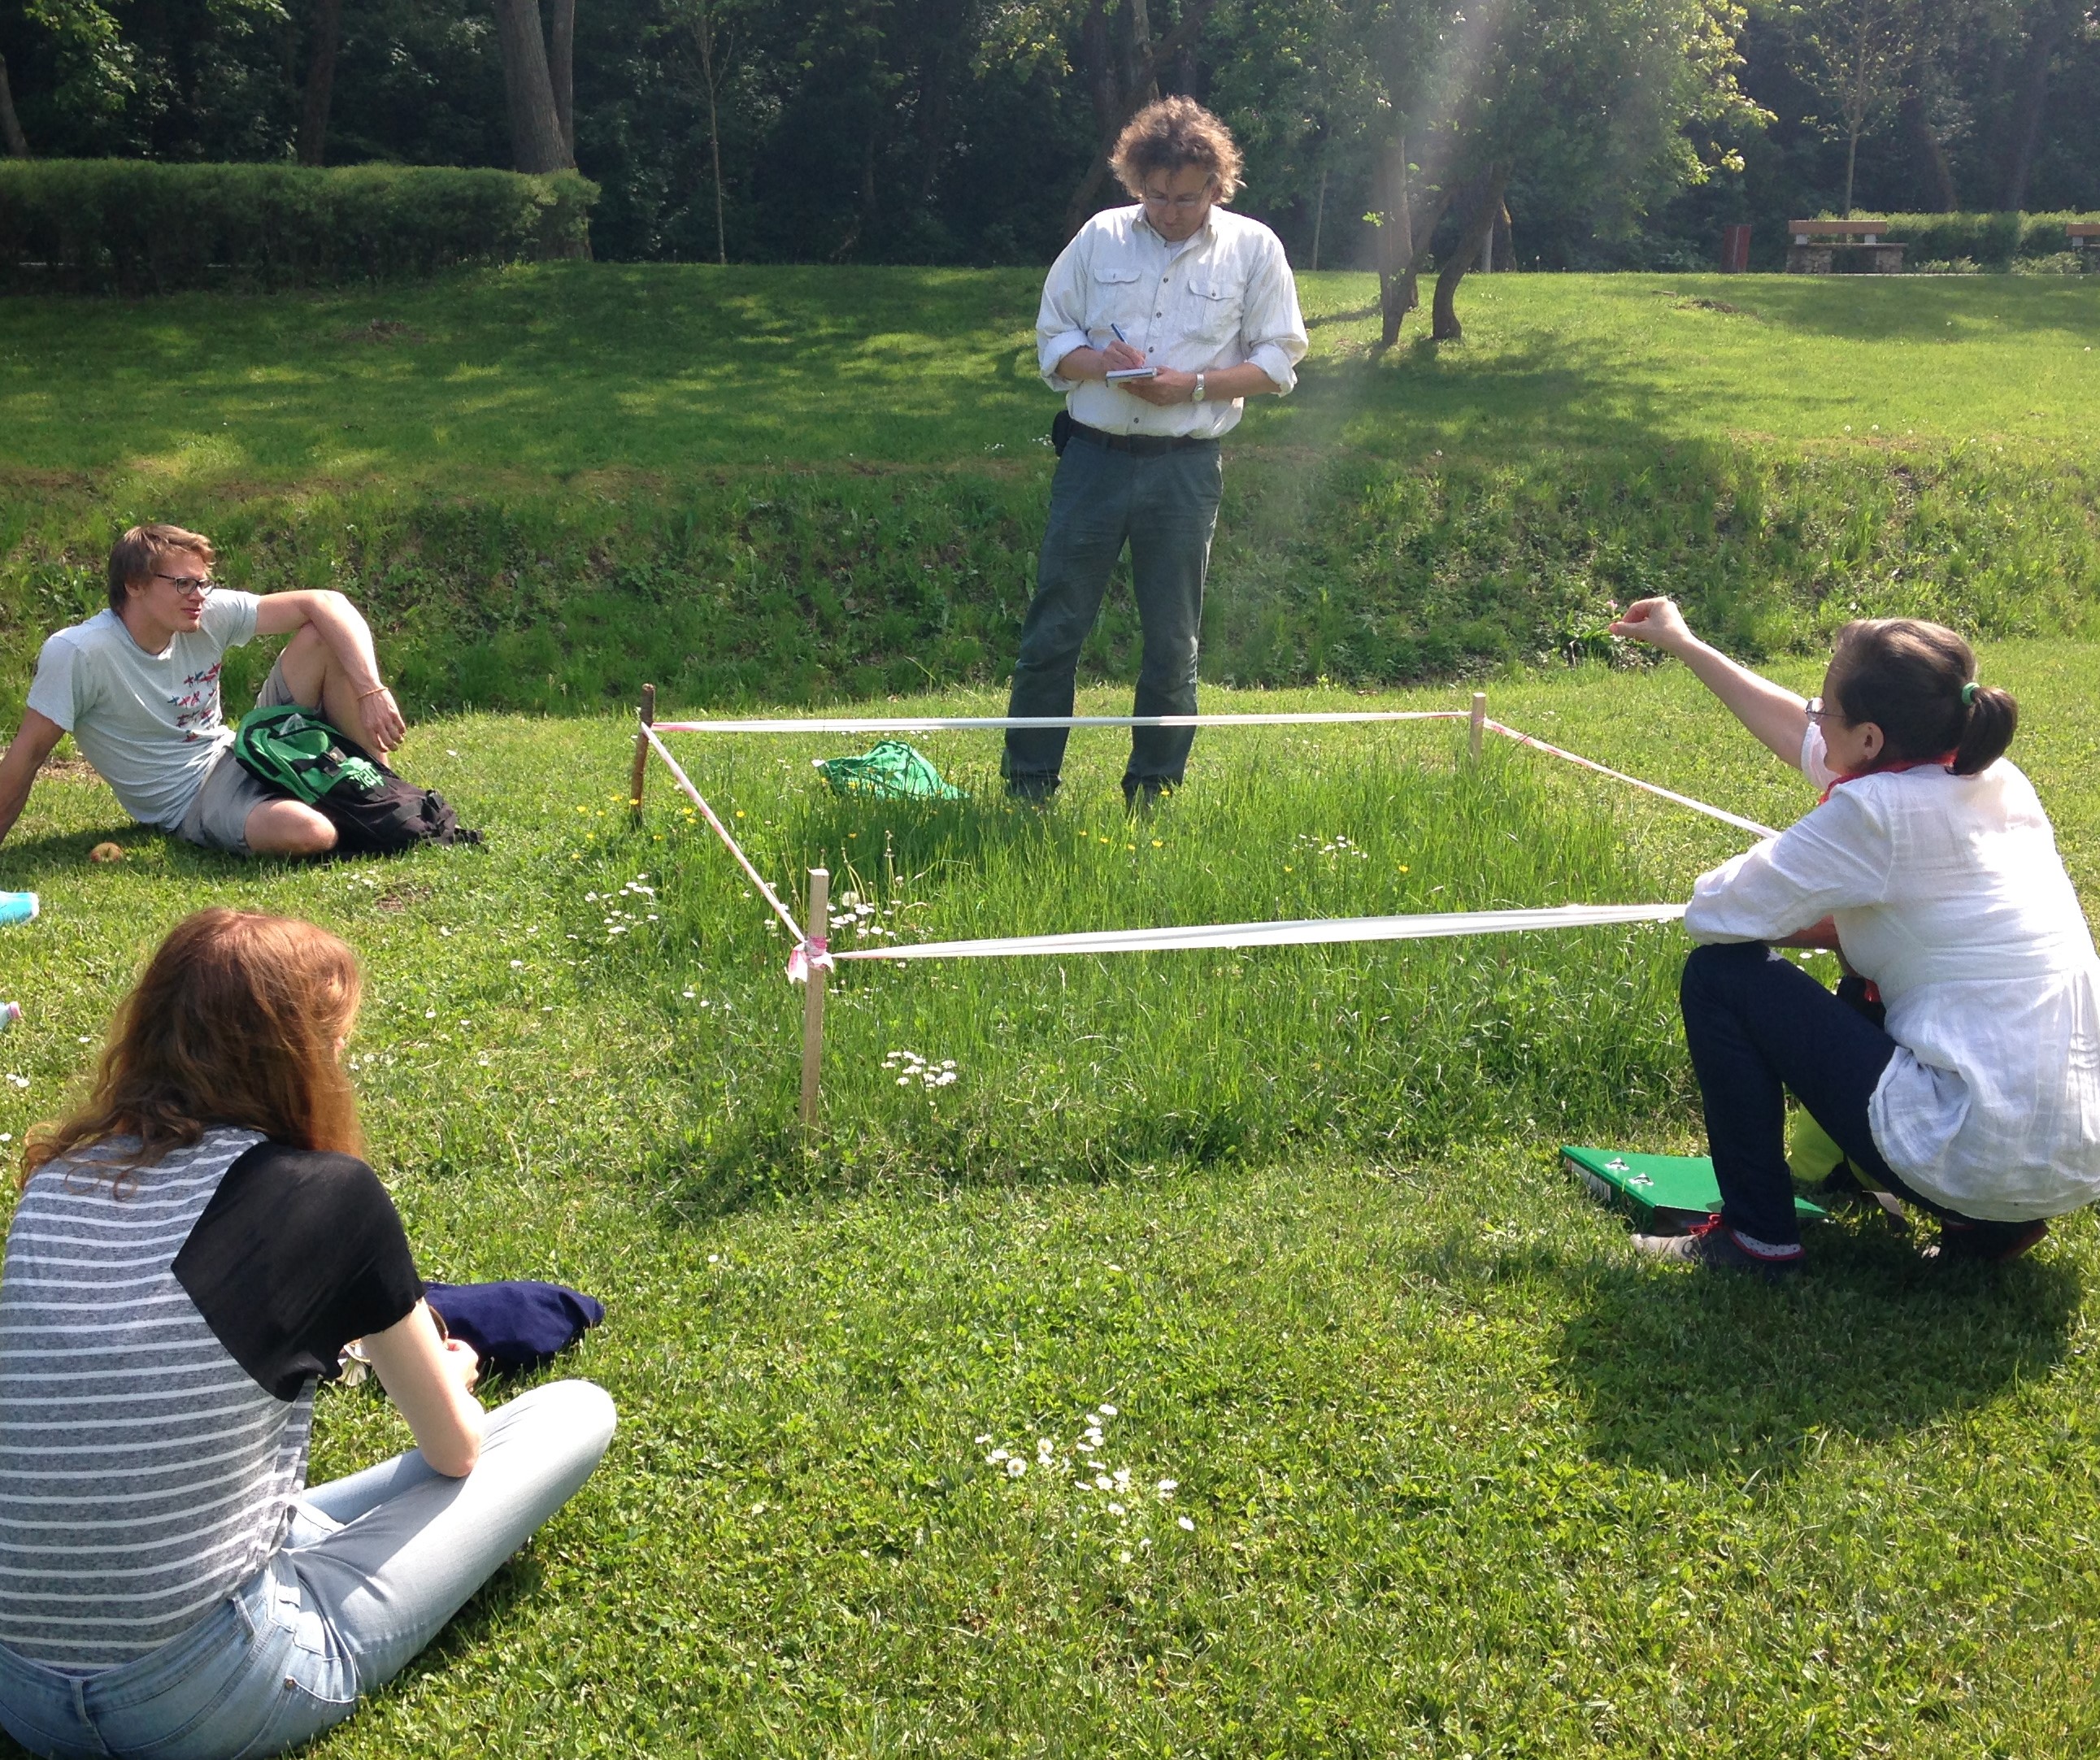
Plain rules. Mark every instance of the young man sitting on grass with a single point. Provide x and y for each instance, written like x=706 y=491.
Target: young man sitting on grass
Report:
x=137 y=686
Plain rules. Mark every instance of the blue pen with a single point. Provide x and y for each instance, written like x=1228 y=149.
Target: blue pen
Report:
x=1120 y=336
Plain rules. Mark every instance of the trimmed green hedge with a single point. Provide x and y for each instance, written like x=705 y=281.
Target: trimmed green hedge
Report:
x=1992 y=241
x=134 y=227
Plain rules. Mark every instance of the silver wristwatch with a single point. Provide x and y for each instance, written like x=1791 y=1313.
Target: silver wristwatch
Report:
x=1196 y=396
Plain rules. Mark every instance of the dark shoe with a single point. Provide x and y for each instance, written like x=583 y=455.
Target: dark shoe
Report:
x=1714 y=1244
x=1984 y=1243
x=1030 y=785
x=1141 y=794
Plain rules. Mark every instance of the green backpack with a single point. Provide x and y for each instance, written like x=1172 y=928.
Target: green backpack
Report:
x=297 y=752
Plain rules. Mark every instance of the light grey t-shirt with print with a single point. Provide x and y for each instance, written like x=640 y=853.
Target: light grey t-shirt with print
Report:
x=149 y=723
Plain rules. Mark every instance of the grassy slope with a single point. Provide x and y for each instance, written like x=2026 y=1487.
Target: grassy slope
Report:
x=1463 y=1478
x=549 y=482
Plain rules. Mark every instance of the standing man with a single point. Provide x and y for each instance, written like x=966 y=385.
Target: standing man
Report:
x=1202 y=300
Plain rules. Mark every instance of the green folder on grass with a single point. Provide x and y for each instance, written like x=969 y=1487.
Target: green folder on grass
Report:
x=1671 y=1191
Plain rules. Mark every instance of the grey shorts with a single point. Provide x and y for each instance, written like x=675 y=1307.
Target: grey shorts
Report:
x=217 y=818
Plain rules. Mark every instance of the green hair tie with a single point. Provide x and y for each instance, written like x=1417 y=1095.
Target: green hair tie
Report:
x=1969 y=694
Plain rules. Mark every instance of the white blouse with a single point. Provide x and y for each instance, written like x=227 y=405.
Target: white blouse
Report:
x=1949 y=894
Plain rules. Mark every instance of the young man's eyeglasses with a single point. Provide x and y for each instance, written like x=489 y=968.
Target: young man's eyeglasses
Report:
x=1818 y=714
x=189 y=586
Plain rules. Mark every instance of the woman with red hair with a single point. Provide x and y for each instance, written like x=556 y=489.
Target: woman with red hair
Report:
x=193 y=1251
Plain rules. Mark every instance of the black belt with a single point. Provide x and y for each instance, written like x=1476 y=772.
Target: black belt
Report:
x=1142 y=445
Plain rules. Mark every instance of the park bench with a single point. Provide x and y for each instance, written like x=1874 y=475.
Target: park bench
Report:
x=2084 y=235
x=1817 y=247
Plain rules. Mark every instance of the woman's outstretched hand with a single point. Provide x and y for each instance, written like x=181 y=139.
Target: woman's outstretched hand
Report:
x=1657 y=622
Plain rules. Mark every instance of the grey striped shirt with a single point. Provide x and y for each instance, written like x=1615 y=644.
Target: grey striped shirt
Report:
x=143 y=1473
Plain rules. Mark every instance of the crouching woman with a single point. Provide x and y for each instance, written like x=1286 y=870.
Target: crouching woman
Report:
x=191 y=1252
x=1958 y=1065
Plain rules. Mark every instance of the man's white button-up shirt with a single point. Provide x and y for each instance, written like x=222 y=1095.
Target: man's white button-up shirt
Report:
x=1221 y=297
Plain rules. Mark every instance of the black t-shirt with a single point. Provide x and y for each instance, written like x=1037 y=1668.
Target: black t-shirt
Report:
x=297 y=1253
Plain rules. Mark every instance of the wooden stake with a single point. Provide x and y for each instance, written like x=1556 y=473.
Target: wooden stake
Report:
x=1478 y=725
x=640 y=774
x=817 y=924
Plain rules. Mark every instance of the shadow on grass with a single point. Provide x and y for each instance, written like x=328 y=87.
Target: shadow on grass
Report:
x=1700 y=1374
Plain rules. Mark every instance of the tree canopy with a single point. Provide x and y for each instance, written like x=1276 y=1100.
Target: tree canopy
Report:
x=1387 y=132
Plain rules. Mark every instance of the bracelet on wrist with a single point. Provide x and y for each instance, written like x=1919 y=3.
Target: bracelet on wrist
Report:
x=374 y=691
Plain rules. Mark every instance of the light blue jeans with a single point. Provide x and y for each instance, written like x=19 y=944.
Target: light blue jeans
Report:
x=374 y=1566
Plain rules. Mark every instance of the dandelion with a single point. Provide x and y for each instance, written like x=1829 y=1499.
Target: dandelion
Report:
x=1184 y=1524
x=1016 y=1466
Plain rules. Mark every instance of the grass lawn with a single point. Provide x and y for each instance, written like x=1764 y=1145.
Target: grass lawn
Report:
x=1458 y=1475
x=548 y=484
x=620 y=372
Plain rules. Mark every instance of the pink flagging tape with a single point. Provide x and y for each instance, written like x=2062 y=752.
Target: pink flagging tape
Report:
x=938 y=724
x=1721 y=814
x=721 y=830
x=1301 y=933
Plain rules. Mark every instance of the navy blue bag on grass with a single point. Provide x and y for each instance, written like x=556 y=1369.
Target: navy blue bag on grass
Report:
x=514 y=1326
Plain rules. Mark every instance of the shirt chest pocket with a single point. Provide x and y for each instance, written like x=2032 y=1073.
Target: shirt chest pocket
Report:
x=1212 y=307
x=1116 y=297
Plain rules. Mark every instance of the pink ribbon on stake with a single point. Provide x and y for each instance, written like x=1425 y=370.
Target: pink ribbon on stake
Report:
x=814 y=951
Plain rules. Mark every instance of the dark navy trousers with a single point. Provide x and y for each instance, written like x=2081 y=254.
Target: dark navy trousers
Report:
x=1165 y=506
x=1757 y=1026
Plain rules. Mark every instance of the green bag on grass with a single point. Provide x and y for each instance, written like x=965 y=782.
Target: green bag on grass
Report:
x=295 y=751
x=890 y=771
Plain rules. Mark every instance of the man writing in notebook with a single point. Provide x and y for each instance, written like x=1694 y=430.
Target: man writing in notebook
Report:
x=1157 y=321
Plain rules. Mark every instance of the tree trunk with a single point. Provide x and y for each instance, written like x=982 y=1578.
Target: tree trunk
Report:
x=1142 y=72
x=536 y=130
x=1397 y=294
x=1851 y=159
x=11 y=124
x=562 y=71
x=2028 y=106
x=704 y=30
x=1319 y=218
x=1126 y=105
x=320 y=83
x=1444 y=326
x=1925 y=141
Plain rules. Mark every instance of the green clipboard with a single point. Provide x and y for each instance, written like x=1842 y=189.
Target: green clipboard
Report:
x=1664 y=1191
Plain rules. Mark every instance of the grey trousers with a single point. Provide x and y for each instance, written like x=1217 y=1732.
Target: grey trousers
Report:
x=1165 y=507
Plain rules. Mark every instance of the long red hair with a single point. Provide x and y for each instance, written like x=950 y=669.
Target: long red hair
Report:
x=236 y=1020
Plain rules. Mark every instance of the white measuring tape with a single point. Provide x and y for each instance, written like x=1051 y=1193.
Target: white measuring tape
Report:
x=1303 y=932
x=1300 y=933
x=944 y=724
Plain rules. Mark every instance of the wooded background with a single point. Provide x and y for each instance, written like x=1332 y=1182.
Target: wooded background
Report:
x=1610 y=133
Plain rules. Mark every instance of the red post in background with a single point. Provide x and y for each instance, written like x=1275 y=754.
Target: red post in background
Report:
x=1735 y=249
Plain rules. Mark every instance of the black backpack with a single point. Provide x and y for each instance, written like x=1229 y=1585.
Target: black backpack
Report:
x=374 y=812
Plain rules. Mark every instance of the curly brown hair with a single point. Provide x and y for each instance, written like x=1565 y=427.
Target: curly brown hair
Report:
x=1174 y=132
x=237 y=1020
